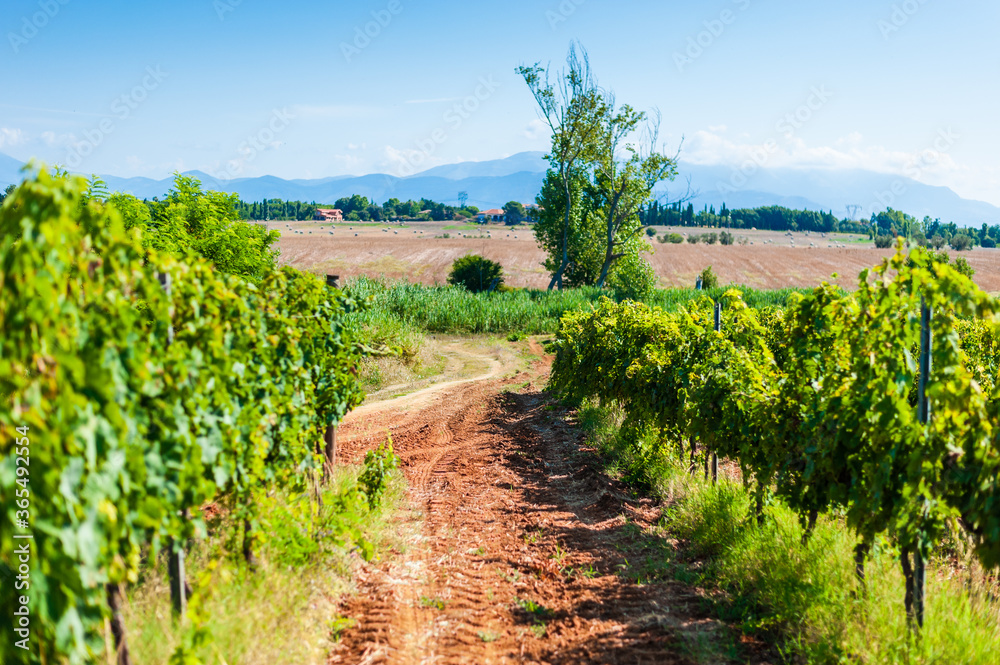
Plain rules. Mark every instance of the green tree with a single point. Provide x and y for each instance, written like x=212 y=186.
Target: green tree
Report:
x=514 y=212
x=625 y=173
x=7 y=192
x=476 y=273
x=572 y=110
x=961 y=242
x=580 y=241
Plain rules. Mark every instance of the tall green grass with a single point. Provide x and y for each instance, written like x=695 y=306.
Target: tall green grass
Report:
x=804 y=599
x=448 y=309
x=285 y=611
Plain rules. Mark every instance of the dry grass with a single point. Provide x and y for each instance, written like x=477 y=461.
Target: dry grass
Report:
x=771 y=262
x=380 y=372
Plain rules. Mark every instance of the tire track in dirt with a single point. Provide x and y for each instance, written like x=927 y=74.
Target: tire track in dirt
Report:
x=523 y=551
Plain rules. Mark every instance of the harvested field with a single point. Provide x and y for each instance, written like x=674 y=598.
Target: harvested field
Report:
x=417 y=253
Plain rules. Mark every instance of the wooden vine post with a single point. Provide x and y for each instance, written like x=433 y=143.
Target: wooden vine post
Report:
x=330 y=435
x=924 y=413
x=122 y=656
x=175 y=551
x=329 y=450
x=715 y=456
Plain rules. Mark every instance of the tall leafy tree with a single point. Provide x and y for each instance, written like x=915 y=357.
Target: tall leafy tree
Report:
x=625 y=174
x=572 y=108
x=513 y=211
x=576 y=241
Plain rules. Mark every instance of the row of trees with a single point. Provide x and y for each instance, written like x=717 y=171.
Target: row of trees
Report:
x=603 y=165
x=356 y=208
x=883 y=227
x=930 y=232
x=770 y=218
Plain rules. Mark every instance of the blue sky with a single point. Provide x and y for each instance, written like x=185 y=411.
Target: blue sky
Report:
x=298 y=90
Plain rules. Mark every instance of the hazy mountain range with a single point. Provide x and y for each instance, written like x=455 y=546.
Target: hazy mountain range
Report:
x=490 y=184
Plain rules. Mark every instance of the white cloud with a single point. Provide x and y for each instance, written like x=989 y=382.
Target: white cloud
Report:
x=53 y=140
x=406 y=162
x=11 y=137
x=536 y=129
x=931 y=164
x=346 y=163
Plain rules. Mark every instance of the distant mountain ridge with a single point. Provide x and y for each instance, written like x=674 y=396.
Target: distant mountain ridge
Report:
x=492 y=183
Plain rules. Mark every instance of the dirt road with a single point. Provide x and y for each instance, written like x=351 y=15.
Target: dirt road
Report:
x=521 y=549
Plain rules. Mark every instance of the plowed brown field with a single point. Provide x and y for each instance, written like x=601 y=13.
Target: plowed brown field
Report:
x=508 y=510
x=422 y=257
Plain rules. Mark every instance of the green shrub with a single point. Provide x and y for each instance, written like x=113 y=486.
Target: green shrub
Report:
x=694 y=238
x=726 y=238
x=632 y=277
x=650 y=231
x=884 y=241
x=961 y=242
x=962 y=266
x=188 y=219
x=674 y=238
x=710 y=238
x=374 y=480
x=709 y=280
x=476 y=273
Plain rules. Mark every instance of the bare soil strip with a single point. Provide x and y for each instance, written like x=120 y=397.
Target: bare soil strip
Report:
x=523 y=551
